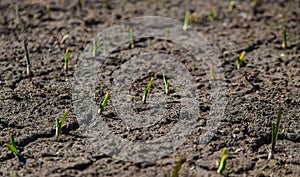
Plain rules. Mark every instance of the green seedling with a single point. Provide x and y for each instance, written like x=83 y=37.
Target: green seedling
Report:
x=231 y=6
x=284 y=42
x=103 y=104
x=187 y=20
x=96 y=46
x=12 y=145
x=17 y=11
x=59 y=124
x=80 y=4
x=166 y=33
x=66 y=60
x=254 y=3
x=275 y=129
x=167 y=84
x=147 y=89
x=240 y=59
x=131 y=38
x=212 y=72
x=177 y=167
x=27 y=60
x=213 y=14
x=223 y=161
x=48 y=11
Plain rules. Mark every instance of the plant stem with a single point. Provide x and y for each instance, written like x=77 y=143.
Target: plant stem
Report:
x=27 y=60
x=66 y=60
x=284 y=43
x=103 y=104
x=147 y=89
x=212 y=72
x=131 y=38
x=275 y=129
x=167 y=85
x=240 y=59
x=223 y=161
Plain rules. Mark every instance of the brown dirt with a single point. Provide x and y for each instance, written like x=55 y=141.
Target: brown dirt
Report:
x=268 y=79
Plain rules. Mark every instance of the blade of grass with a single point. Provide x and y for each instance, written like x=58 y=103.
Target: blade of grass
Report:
x=212 y=72
x=66 y=60
x=96 y=46
x=167 y=85
x=103 y=104
x=223 y=161
x=147 y=89
x=187 y=20
x=284 y=42
x=59 y=124
x=27 y=59
x=275 y=130
x=131 y=38
x=240 y=59
x=177 y=168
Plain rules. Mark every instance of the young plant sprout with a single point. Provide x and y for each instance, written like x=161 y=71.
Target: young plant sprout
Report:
x=48 y=10
x=166 y=33
x=187 y=20
x=223 y=161
x=231 y=6
x=66 y=60
x=213 y=14
x=96 y=45
x=17 y=11
x=167 y=84
x=177 y=167
x=12 y=145
x=60 y=123
x=103 y=104
x=80 y=4
x=284 y=42
x=131 y=38
x=212 y=72
x=240 y=59
x=147 y=89
x=253 y=3
x=275 y=129
x=27 y=60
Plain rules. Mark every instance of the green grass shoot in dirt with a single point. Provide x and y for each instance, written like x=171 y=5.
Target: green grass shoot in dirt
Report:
x=240 y=59
x=167 y=84
x=59 y=124
x=96 y=45
x=131 y=38
x=12 y=145
x=177 y=168
x=223 y=161
x=66 y=60
x=275 y=129
x=27 y=60
x=231 y=6
x=48 y=10
x=284 y=42
x=212 y=72
x=103 y=104
x=213 y=14
x=187 y=20
x=147 y=89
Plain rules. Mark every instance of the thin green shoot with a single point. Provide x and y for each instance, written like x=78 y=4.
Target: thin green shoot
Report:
x=80 y=4
x=223 y=161
x=275 y=129
x=177 y=168
x=96 y=46
x=284 y=42
x=240 y=59
x=48 y=10
x=167 y=84
x=12 y=145
x=254 y=3
x=213 y=14
x=167 y=33
x=187 y=20
x=147 y=89
x=212 y=72
x=231 y=6
x=27 y=60
x=59 y=123
x=66 y=60
x=17 y=11
x=103 y=104
x=131 y=38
